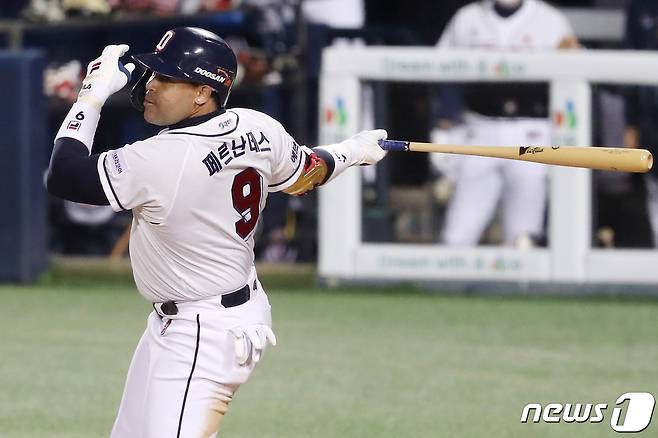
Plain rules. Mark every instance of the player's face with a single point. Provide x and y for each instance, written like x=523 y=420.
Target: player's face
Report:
x=168 y=101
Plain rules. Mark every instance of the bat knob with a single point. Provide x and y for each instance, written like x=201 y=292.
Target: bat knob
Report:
x=394 y=145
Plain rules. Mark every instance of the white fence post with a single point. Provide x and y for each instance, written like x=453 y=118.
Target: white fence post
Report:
x=339 y=209
x=570 y=212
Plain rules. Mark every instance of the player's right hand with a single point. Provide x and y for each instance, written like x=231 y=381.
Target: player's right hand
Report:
x=105 y=76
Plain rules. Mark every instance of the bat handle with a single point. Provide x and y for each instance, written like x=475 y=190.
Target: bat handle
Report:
x=394 y=145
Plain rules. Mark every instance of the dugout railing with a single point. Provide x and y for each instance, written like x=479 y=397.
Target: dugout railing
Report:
x=569 y=258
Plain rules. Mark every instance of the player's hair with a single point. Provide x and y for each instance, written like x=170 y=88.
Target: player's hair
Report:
x=219 y=100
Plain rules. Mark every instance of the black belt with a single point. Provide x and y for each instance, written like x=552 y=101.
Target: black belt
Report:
x=231 y=299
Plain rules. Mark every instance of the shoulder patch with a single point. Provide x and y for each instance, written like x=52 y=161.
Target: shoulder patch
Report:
x=117 y=162
x=227 y=123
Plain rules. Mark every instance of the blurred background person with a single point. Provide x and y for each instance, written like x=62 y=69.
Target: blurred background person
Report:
x=499 y=114
x=642 y=101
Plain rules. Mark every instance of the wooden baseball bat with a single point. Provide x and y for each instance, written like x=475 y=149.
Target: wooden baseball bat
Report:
x=601 y=158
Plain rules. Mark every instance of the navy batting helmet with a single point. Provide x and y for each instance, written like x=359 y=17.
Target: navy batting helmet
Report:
x=189 y=54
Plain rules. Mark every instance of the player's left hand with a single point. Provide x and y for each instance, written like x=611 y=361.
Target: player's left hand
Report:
x=105 y=76
x=365 y=147
x=250 y=342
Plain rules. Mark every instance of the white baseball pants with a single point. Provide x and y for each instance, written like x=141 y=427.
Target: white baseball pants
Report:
x=482 y=182
x=184 y=371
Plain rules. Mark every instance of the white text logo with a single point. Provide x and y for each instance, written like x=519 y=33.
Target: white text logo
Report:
x=213 y=76
x=634 y=416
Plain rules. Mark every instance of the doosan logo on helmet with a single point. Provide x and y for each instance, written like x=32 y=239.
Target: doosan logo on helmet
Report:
x=215 y=77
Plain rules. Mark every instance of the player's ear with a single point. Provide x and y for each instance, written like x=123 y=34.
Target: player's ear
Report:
x=203 y=95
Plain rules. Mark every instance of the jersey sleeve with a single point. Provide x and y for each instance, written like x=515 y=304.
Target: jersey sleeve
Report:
x=142 y=175
x=287 y=161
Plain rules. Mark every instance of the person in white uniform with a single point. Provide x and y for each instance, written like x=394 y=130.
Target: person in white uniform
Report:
x=502 y=114
x=196 y=191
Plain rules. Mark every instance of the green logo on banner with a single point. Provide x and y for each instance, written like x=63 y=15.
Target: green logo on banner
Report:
x=566 y=118
x=336 y=113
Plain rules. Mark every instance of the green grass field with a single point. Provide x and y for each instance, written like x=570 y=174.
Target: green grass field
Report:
x=350 y=363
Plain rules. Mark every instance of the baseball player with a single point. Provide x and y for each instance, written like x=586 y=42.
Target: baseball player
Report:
x=196 y=191
x=502 y=114
x=641 y=33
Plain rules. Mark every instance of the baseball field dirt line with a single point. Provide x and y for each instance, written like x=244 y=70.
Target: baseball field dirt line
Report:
x=348 y=364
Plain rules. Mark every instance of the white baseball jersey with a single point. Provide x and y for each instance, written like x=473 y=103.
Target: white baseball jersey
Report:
x=535 y=26
x=196 y=194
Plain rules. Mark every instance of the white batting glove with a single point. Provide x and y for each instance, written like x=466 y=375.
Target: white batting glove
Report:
x=363 y=147
x=105 y=76
x=250 y=342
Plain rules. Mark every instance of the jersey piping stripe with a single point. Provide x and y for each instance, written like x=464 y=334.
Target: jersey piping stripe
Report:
x=189 y=379
x=110 y=183
x=237 y=122
x=302 y=158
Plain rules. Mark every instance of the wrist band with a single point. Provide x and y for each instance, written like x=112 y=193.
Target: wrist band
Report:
x=80 y=123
